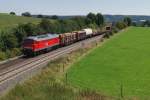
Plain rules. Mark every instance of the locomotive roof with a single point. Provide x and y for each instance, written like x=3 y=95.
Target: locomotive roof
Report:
x=43 y=37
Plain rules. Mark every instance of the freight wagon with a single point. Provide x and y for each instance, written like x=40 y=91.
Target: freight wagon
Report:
x=88 y=32
x=67 y=38
x=80 y=35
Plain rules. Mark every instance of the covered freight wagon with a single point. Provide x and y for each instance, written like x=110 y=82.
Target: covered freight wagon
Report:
x=88 y=32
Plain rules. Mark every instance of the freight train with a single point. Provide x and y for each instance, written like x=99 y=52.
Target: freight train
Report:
x=34 y=45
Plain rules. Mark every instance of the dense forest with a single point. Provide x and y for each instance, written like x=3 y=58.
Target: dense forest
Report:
x=11 y=39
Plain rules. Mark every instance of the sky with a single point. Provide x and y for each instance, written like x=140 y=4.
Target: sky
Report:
x=76 y=7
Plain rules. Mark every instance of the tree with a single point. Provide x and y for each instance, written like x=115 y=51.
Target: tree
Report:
x=1 y=42
x=127 y=21
x=39 y=16
x=120 y=25
x=54 y=17
x=23 y=30
x=146 y=23
x=100 y=19
x=134 y=23
x=81 y=21
x=26 y=14
x=20 y=33
x=9 y=40
x=91 y=17
x=12 y=13
x=45 y=25
x=29 y=28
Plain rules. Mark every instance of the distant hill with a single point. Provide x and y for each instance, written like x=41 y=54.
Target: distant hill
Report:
x=109 y=18
x=135 y=18
x=7 y=20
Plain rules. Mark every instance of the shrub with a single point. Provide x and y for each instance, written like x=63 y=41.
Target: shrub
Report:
x=2 y=56
x=15 y=52
x=121 y=25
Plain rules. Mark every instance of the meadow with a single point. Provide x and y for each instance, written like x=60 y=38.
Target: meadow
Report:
x=9 y=21
x=121 y=66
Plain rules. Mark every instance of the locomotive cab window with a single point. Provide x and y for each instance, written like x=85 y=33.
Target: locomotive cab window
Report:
x=28 y=41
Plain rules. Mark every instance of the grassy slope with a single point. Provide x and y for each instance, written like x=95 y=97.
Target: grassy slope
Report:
x=7 y=20
x=123 y=59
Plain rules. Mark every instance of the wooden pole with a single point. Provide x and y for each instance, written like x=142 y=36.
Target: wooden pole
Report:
x=66 y=77
x=63 y=67
x=121 y=90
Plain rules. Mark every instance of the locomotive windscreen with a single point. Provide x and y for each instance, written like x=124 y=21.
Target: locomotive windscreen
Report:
x=27 y=41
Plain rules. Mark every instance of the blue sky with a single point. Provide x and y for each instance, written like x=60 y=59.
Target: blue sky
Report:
x=77 y=7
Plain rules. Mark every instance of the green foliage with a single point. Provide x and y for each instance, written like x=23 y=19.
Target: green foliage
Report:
x=134 y=24
x=2 y=56
x=40 y=16
x=97 y=19
x=15 y=52
x=100 y=19
x=29 y=29
x=8 y=40
x=12 y=13
x=93 y=26
x=20 y=33
x=127 y=21
x=46 y=25
x=68 y=26
x=80 y=21
x=146 y=23
x=121 y=25
x=26 y=14
x=54 y=17
x=91 y=17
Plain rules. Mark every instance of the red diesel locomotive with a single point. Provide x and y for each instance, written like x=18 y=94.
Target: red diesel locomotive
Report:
x=37 y=44
x=43 y=43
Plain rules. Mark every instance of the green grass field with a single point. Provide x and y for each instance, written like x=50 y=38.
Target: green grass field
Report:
x=124 y=59
x=7 y=21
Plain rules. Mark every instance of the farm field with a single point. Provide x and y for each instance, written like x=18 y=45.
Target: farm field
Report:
x=124 y=60
x=7 y=20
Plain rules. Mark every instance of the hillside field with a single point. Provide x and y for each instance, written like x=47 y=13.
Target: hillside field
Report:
x=123 y=61
x=7 y=21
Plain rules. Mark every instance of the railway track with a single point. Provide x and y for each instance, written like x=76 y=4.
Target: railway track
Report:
x=14 y=72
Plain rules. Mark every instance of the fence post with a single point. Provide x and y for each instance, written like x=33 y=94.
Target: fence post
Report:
x=121 y=90
x=66 y=76
x=63 y=67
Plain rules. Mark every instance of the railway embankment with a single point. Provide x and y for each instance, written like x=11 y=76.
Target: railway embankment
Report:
x=52 y=83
